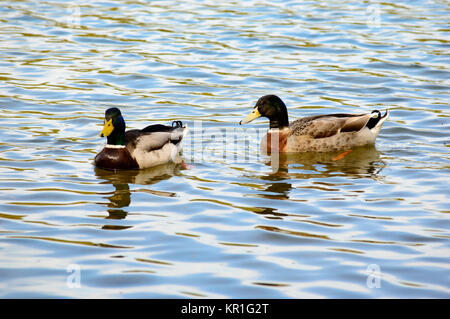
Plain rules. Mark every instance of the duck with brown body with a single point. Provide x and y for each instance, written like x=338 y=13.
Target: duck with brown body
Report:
x=138 y=149
x=319 y=133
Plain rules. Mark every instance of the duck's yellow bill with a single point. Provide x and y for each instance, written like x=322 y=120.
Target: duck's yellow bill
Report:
x=107 y=128
x=253 y=115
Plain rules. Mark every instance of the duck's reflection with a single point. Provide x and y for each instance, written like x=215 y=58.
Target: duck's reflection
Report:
x=358 y=162
x=361 y=162
x=121 y=196
x=277 y=187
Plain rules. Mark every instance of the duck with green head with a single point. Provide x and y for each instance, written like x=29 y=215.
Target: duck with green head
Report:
x=319 y=133
x=138 y=149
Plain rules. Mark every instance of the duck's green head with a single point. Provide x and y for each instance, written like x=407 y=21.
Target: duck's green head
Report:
x=272 y=107
x=114 y=127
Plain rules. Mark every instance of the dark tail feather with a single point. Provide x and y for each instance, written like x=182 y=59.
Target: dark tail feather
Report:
x=177 y=124
x=374 y=119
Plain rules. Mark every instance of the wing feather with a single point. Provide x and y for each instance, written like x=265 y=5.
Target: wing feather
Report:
x=328 y=125
x=153 y=141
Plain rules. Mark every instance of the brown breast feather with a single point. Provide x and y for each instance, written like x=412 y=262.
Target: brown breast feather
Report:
x=115 y=158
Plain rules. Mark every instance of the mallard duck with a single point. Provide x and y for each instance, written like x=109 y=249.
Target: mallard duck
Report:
x=138 y=149
x=320 y=133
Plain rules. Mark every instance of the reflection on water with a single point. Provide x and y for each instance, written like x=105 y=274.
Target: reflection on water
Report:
x=359 y=162
x=234 y=224
x=121 y=197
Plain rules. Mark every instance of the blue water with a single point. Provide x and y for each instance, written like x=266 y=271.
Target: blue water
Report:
x=228 y=224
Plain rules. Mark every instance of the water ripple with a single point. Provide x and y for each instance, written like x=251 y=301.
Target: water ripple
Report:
x=230 y=224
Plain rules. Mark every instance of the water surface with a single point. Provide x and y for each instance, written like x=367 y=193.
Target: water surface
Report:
x=229 y=224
